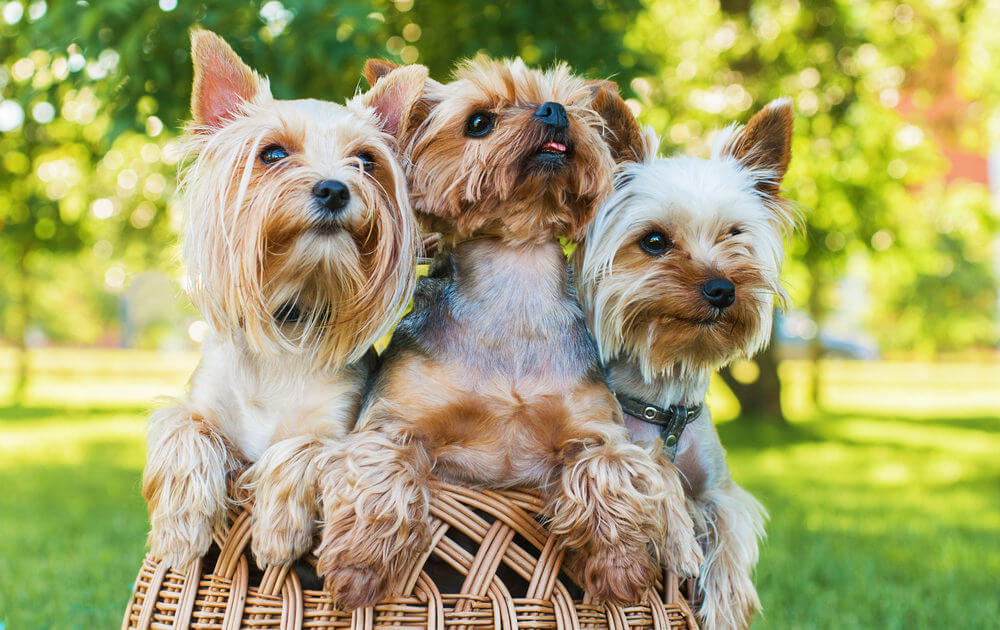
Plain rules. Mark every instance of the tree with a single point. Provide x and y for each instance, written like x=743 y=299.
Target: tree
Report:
x=93 y=93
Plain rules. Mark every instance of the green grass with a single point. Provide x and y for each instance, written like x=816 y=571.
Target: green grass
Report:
x=72 y=522
x=877 y=521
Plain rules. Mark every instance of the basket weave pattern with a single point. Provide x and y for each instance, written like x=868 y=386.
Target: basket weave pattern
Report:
x=506 y=537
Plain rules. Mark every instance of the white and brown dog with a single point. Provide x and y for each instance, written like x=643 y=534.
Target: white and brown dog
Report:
x=678 y=275
x=300 y=250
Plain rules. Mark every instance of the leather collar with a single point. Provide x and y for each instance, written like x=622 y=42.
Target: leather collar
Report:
x=671 y=420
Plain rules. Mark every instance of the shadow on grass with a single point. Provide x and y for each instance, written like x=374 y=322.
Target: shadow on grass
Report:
x=978 y=423
x=751 y=433
x=31 y=413
x=754 y=433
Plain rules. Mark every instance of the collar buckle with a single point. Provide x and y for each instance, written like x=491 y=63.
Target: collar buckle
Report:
x=671 y=420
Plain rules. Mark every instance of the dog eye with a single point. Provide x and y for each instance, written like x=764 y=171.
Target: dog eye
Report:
x=367 y=161
x=272 y=154
x=655 y=243
x=735 y=231
x=479 y=124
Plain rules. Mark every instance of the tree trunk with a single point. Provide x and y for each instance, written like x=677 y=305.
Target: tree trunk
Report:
x=21 y=321
x=817 y=313
x=760 y=400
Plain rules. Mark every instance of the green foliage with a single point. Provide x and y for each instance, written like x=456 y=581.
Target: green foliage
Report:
x=87 y=180
x=859 y=167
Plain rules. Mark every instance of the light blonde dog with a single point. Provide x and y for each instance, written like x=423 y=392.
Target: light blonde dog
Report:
x=300 y=251
x=492 y=379
x=678 y=276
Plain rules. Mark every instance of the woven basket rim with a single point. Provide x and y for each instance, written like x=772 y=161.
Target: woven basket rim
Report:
x=231 y=592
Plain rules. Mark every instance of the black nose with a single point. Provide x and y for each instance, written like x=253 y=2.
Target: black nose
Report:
x=719 y=292
x=553 y=115
x=332 y=195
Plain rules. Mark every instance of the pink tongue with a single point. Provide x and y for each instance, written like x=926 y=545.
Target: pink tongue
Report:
x=555 y=146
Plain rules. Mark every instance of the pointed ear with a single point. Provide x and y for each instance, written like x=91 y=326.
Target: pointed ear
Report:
x=375 y=69
x=765 y=144
x=222 y=82
x=395 y=96
x=621 y=130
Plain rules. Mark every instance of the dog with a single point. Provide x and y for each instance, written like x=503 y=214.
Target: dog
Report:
x=300 y=250
x=492 y=380
x=678 y=275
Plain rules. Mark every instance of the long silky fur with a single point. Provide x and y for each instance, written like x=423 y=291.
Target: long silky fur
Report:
x=237 y=276
x=492 y=378
x=468 y=188
x=294 y=298
x=660 y=340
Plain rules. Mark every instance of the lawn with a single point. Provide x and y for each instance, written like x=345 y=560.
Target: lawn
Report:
x=877 y=521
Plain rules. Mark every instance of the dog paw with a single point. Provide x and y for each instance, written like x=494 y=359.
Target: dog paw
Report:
x=353 y=586
x=180 y=540
x=277 y=544
x=684 y=555
x=619 y=575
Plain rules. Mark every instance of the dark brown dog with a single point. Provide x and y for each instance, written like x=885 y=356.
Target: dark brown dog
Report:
x=493 y=379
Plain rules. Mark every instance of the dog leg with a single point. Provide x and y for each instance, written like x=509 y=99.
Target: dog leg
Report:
x=375 y=511
x=184 y=484
x=613 y=504
x=729 y=522
x=283 y=486
x=678 y=553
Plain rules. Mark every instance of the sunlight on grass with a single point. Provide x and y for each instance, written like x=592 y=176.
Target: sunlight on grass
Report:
x=71 y=442
x=875 y=524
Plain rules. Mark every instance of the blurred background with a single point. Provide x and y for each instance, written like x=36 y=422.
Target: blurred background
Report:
x=869 y=428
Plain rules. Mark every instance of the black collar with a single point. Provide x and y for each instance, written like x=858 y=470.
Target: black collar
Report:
x=671 y=420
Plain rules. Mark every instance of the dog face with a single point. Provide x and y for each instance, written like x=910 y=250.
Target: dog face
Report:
x=299 y=232
x=681 y=267
x=505 y=150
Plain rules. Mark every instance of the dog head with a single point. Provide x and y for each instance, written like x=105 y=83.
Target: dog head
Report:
x=506 y=150
x=299 y=233
x=681 y=267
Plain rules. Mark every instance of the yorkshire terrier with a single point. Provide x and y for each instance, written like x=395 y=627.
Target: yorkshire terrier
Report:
x=678 y=275
x=300 y=250
x=492 y=379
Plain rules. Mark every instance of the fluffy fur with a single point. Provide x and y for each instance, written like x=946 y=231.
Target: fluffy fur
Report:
x=294 y=294
x=492 y=379
x=660 y=337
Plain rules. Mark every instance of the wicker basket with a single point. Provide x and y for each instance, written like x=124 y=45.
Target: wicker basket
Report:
x=514 y=579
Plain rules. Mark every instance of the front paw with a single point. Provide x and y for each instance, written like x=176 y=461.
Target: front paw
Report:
x=619 y=575
x=353 y=586
x=277 y=542
x=683 y=554
x=180 y=539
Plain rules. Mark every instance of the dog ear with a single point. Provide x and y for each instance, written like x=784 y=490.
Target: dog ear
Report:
x=395 y=96
x=621 y=130
x=765 y=145
x=222 y=82
x=375 y=69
